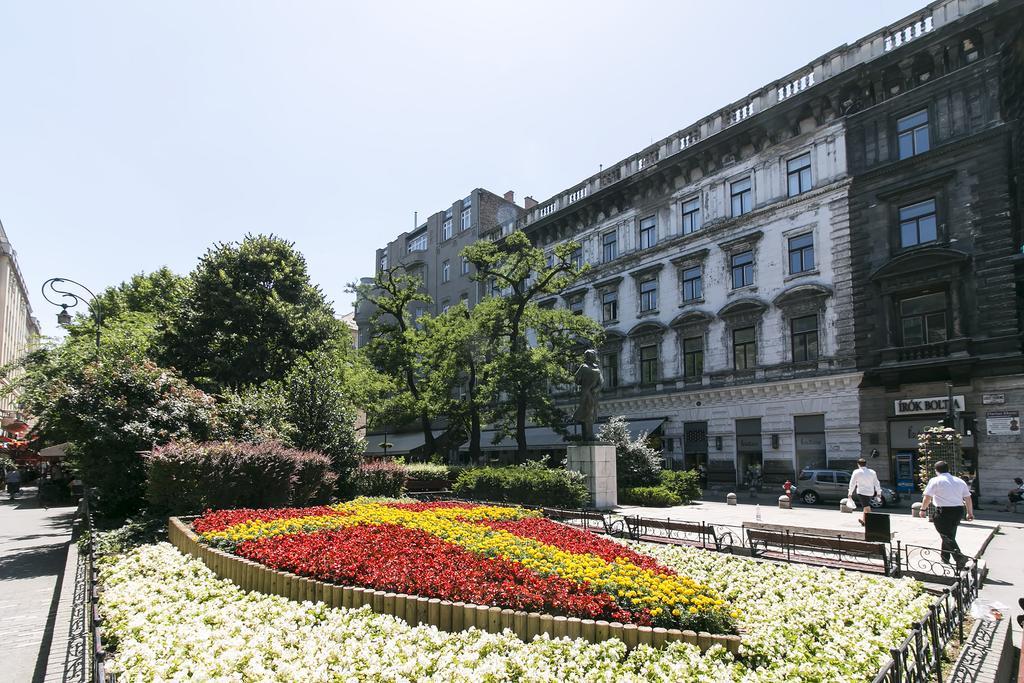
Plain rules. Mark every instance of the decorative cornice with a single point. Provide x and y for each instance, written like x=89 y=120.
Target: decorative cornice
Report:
x=696 y=317
x=748 y=239
x=744 y=306
x=646 y=270
x=921 y=258
x=802 y=292
x=692 y=257
x=608 y=283
x=574 y=292
x=647 y=327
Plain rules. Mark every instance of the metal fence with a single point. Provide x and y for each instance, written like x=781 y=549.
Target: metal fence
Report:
x=919 y=657
x=87 y=552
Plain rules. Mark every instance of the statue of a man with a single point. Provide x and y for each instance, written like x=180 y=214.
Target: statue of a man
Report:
x=589 y=378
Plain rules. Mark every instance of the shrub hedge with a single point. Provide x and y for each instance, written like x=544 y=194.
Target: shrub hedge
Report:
x=649 y=496
x=685 y=484
x=384 y=478
x=185 y=477
x=530 y=485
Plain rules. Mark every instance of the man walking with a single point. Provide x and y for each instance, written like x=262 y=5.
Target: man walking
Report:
x=864 y=487
x=950 y=495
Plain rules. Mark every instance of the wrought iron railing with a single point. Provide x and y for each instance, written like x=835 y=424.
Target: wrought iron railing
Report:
x=91 y=597
x=919 y=657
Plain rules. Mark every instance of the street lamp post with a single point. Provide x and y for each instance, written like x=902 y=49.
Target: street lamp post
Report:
x=50 y=288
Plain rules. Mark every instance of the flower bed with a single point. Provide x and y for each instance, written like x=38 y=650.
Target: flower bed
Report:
x=168 y=617
x=500 y=556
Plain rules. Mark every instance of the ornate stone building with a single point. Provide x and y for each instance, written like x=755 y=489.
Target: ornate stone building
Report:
x=749 y=270
x=18 y=329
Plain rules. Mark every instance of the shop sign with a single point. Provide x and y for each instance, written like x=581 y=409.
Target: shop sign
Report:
x=1003 y=422
x=917 y=406
x=810 y=441
x=748 y=443
x=993 y=399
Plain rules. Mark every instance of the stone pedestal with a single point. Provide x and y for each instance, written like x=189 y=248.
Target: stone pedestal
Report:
x=597 y=463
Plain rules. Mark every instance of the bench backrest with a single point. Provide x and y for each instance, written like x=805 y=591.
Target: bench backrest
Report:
x=669 y=525
x=817 y=542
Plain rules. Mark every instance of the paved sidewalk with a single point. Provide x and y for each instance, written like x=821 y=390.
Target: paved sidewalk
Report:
x=34 y=544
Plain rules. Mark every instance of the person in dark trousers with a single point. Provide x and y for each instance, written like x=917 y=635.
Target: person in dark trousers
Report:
x=950 y=495
x=972 y=483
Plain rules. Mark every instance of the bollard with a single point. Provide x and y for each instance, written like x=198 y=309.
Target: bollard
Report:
x=915 y=510
x=785 y=503
x=731 y=499
x=843 y=507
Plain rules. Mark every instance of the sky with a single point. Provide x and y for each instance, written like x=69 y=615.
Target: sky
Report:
x=135 y=135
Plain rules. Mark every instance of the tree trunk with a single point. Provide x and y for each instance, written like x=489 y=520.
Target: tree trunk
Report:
x=474 y=417
x=521 y=448
x=429 y=447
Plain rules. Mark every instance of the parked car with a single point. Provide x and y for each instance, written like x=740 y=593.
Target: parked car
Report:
x=816 y=486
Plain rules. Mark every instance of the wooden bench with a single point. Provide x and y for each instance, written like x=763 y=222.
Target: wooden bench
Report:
x=589 y=520
x=828 y=551
x=696 y=534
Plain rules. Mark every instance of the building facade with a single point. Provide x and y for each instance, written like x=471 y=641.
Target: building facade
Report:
x=431 y=252
x=18 y=329
x=748 y=269
x=935 y=216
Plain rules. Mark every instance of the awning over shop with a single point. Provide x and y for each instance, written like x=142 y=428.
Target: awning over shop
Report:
x=58 y=451
x=401 y=444
x=539 y=438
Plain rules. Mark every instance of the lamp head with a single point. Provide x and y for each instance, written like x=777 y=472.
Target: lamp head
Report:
x=63 y=318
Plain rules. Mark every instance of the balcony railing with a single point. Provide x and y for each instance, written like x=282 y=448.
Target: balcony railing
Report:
x=925 y=352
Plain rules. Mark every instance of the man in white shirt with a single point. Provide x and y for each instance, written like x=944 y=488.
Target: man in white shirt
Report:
x=950 y=495
x=864 y=487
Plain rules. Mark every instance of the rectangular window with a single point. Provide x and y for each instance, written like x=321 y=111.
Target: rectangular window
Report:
x=648 y=295
x=693 y=357
x=417 y=243
x=576 y=305
x=923 y=319
x=446 y=229
x=466 y=218
x=445 y=306
x=691 y=215
x=446 y=271
x=742 y=269
x=464 y=298
x=918 y=224
x=465 y=265
x=609 y=246
x=741 y=197
x=649 y=364
x=798 y=174
x=577 y=258
x=648 y=232
x=744 y=348
x=610 y=369
x=805 y=338
x=609 y=306
x=801 y=253
x=912 y=134
x=810 y=442
x=384 y=262
x=693 y=286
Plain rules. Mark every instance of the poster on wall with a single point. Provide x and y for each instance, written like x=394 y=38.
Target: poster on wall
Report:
x=1003 y=422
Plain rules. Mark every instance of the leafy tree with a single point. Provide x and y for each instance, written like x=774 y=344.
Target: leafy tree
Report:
x=109 y=411
x=159 y=293
x=522 y=370
x=452 y=356
x=250 y=313
x=636 y=463
x=320 y=411
x=397 y=344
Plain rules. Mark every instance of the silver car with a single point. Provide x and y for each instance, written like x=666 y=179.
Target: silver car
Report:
x=816 y=486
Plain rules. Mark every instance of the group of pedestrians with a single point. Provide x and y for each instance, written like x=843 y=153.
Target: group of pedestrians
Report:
x=946 y=498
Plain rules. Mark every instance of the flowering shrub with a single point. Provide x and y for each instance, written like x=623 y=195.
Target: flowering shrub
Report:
x=170 y=618
x=938 y=443
x=500 y=556
x=185 y=477
x=379 y=478
x=651 y=496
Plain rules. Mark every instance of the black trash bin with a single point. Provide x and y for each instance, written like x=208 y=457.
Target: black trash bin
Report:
x=876 y=528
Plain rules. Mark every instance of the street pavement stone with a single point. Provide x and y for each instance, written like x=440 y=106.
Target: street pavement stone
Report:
x=34 y=543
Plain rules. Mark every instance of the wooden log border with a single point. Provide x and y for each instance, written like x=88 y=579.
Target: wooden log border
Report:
x=445 y=615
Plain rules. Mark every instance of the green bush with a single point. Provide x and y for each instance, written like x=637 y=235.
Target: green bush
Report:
x=649 y=496
x=379 y=478
x=686 y=484
x=636 y=463
x=425 y=471
x=526 y=485
x=186 y=477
